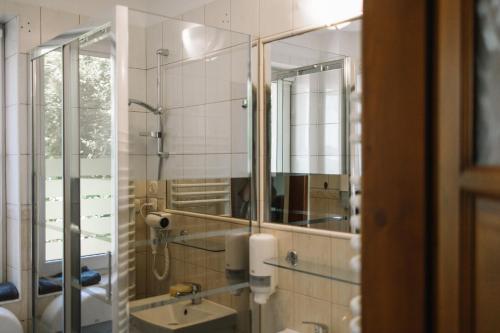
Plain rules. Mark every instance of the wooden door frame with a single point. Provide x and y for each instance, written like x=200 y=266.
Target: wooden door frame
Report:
x=397 y=155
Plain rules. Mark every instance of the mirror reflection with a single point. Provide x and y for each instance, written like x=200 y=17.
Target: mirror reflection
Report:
x=309 y=81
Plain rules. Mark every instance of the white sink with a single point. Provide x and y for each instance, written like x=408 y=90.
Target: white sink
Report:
x=182 y=317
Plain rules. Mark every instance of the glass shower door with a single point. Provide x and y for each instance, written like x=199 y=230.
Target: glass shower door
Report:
x=72 y=183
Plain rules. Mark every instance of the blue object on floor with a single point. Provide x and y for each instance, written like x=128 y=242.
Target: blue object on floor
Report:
x=8 y=291
x=47 y=285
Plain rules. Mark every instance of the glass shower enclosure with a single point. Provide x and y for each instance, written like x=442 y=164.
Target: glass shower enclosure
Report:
x=73 y=193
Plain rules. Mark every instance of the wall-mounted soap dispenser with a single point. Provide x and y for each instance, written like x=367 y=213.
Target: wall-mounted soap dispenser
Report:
x=262 y=276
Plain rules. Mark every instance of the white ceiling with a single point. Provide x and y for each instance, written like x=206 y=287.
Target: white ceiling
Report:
x=104 y=8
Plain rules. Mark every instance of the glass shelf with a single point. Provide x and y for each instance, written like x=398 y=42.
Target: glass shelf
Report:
x=322 y=271
x=203 y=244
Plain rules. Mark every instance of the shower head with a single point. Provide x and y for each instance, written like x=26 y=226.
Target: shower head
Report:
x=144 y=105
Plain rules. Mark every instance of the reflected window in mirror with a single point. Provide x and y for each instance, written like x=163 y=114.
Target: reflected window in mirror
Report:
x=309 y=80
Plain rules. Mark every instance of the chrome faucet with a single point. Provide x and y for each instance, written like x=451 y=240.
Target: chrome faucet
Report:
x=195 y=289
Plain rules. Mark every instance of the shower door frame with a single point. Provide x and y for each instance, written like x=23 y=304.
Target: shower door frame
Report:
x=69 y=44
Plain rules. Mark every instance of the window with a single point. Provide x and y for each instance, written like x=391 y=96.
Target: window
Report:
x=95 y=155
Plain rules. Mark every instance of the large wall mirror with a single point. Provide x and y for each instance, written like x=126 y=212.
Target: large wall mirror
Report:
x=308 y=82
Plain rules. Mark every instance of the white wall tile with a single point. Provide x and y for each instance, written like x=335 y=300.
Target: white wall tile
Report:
x=17 y=179
x=239 y=127
x=304 y=140
x=218 y=127
x=305 y=108
x=11 y=37
x=151 y=88
x=216 y=40
x=240 y=165
x=137 y=47
x=217 y=14
x=17 y=129
x=172 y=40
x=29 y=27
x=194 y=166
x=193 y=40
x=196 y=15
x=194 y=129
x=329 y=165
x=193 y=80
x=316 y=12
x=154 y=40
x=329 y=112
x=137 y=165
x=173 y=167
x=16 y=92
x=304 y=164
x=173 y=89
x=328 y=139
x=137 y=87
x=275 y=16
x=55 y=22
x=218 y=78
x=218 y=165
x=137 y=124
x=245 y=16
x=173 y=126
x=240 y=71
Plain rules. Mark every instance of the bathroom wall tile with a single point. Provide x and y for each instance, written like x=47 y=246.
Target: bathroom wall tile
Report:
x=13 y=229
x=137 y=47
x=137 y=124
x=194 y=166
x=137 y=167
x=304 y=140
x=29 y=27
x=316 y=12
x=177 y=273
x=245 y=16
x=196 y=15
x=285 y=244
x=240 y=166
x=194 y=137
x=305 y=108
x=172 y=167
x=311 y=309
x=217 y=40
x=239 y=127
x=278 y=313
x=329 y=165
x=17 y=129
x=275 y=16
x=154 y=40
x=172 y=86
x=11 y=37
x=141 y=274
x=17 y=179
x=329 y=139
x=196 y=274
x=305 y=84
x=151 y=88
x=172 y=124
x=342 y=253
x=305 y=164
x=217 y=280
x=218 y=165
x=320 y=254
x=218 y=127
x=172 y=40
x=216 y=260
x=193 y=39
x=193 y=79
x=340 y=318
x=55 y=22
x=240 y=71
x=16 y=92
x=218 y=77
x=329 y=111
x=137 y=87
x=217 y=14
x=342 y=293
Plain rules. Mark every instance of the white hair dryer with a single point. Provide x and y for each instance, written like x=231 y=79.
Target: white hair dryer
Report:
x=159 y=224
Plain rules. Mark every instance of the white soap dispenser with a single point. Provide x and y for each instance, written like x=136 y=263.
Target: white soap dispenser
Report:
x=262 y=276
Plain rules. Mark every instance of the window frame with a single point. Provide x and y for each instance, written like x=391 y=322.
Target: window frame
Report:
x=3 y=215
